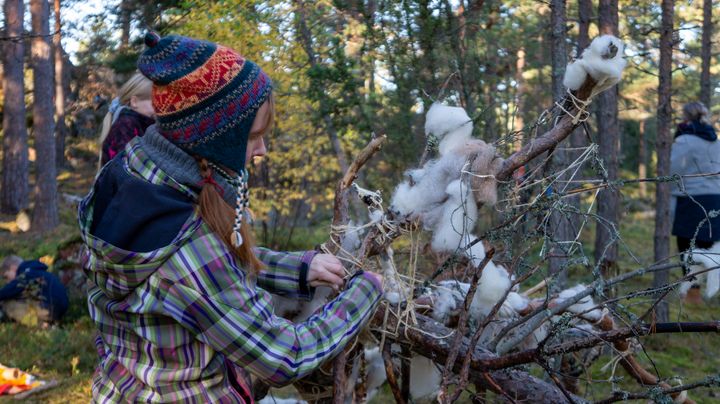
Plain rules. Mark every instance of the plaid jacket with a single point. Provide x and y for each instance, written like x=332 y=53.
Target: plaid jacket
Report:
x=171 y=320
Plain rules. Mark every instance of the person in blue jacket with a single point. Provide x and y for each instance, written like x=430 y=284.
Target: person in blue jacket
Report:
x=31 y=291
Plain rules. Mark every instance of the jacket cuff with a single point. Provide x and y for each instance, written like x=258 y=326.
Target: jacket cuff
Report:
x=373 y=280
x=304 y=286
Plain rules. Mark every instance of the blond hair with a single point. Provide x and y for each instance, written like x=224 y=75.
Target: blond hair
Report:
x=696 y=111
x=138 y=86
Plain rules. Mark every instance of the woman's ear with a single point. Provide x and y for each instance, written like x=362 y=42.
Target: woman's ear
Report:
x=133 y=101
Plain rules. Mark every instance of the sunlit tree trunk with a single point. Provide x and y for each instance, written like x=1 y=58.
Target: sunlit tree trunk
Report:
x=518 y=122
x=45 y=214
x=706 y=87
x=663 y=143
x=606 y=251
x=14 y=192
x=60 y=96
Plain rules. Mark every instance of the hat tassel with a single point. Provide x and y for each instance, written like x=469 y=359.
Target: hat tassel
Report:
x=242 y=203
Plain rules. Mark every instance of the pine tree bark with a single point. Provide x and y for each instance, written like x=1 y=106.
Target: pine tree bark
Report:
x=45 y=214
x=125 y=16
x=14 y=196
x=606 y=249
x=706 y=87
x=61 y=129
x=518 y=121
x=642 y=159
x=663 y=142
x=560 y=227
x=578 y=138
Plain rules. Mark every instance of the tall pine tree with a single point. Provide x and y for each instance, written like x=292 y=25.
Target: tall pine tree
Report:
x=45 y=213
x=14 y=192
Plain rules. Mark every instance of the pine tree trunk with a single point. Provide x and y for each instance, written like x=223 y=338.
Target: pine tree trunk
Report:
x=606 y=251
x=125 y=16
x=663 y=143
x=642 y=159
x=706 y=87
x=518 y=121
x=578 y=138
x=45 y=214
x=560 y=227
x=60 y=129
x=14 y=191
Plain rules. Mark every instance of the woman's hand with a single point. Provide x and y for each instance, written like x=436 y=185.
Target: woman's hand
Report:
x=326 y=270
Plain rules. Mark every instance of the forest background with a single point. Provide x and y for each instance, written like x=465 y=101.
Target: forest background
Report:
x=344 y=71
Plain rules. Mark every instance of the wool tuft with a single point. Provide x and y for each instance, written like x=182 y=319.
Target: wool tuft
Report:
x=458 y=219
x=451 y=125
x=492 y=286
x=602 y=60
x=585 y=307
x=705 y=259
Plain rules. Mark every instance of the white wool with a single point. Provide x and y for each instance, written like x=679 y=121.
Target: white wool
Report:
x=429 y=190
x=517 y=301
x=493 y=283
x=404 y=201
x=585 y=307
x=492 y=286
x=375 y=215
x=451 y=125
x=476 y=252
x=416 y=175
x=460 y=214
x=575 y=75
x=270 y=399
x=447 y=297
x=350 y=240
x=426 y=378
x=393 y=291
x=705 y=258
x=570 y=292
x=603 y=60
x=375 y=371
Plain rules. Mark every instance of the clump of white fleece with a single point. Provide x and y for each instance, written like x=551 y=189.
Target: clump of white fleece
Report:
x=602 y=60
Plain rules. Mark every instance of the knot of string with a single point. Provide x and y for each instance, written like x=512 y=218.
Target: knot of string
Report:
x=579 y=105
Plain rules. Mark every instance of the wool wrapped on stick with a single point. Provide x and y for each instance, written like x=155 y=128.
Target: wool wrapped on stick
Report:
x=602 y=60
x=459 y=153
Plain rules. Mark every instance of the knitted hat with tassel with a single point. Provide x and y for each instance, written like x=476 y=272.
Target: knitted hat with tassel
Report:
x=206 y=97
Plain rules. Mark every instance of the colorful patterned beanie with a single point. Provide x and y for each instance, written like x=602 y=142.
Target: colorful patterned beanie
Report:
x=206 y=97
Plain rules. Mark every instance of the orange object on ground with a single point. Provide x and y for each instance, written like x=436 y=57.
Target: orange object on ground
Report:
x=13 y=381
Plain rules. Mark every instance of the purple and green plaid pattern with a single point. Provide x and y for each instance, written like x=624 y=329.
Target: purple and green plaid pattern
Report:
x=169 y=319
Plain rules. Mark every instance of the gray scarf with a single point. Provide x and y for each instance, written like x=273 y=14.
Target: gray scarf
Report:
x=179 y=165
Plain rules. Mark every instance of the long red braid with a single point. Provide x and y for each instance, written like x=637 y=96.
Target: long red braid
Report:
x=220 y=216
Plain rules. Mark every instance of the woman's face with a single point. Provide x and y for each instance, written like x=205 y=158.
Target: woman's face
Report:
x=256 y=142
x=142 y=107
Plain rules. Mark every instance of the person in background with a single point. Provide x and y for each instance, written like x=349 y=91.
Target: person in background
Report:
x=129 y=115
x=696 y=150
x=32 y=295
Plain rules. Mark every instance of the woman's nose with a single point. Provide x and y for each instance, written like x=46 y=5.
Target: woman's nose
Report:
x=260 y=150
